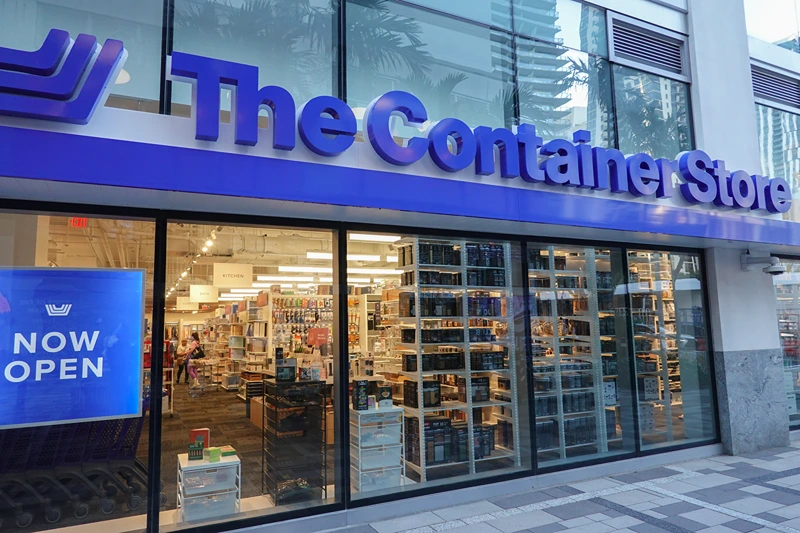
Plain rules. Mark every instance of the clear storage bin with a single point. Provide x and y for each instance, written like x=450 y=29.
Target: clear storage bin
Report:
x=378 y=458
x=213 y=479
x=369 y=481
x=209 y=507
x=380 y=435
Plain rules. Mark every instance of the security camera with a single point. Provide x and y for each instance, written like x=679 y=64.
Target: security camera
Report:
x=773 y=268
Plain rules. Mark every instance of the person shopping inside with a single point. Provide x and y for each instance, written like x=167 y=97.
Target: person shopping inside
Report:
x=182 y=360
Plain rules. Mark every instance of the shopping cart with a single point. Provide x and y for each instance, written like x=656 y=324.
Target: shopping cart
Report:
x=205 y=381
x=43 y=467
x=48 y=451
x=18 y=448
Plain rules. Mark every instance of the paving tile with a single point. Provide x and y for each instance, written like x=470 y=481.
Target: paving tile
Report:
x=575 y=510
x=631 y=497
x=557 y=492
x=594 y=527
x=611 y=513
x=698 y=464
x=654 y=514
x=742 y=525
x=596 y=484
x=576 y=522
x=793 y=523
x=685 y=523
x=647 y=528
x=716 y=496
x=598 y=517
x=664 y=501
x=643 y=506
x=623 y=522
x=679 y=487
x=707 y=517
x=406 y=522
x=446 y=526
x=752 y=505
x=522 y=521
x=775 y=519
x=778 y=496
x=717 y=529
x=464 y=511
x=518 y=500
x=677 y=508
x=548 y=528
x=482 y=527
x=711 y=480
x=747 y=472
x=788 y=512
x=756 y=489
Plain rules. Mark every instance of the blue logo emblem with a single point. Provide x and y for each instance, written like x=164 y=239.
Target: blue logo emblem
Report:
x=62 y=81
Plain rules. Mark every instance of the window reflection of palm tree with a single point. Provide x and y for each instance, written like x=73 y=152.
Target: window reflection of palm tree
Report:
x=290 y=39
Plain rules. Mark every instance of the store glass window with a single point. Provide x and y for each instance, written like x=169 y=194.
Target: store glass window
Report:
x=579 y=362
x=778 y=142
x=671 y=345
x=75 y=316
x=394 y=46
x=250 y=315
x=24 y=24
x=562 y=90
x=497 y=12
x=436 y=362
x=290 y=41
x=567 y=23
x=777 y=22
x=652 y=112
x=787 y=291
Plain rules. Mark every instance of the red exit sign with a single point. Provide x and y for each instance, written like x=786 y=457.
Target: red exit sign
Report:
x=78 y=222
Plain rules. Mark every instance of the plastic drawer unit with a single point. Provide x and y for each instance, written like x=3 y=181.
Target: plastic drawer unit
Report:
x=376 y=449
x=208 y=490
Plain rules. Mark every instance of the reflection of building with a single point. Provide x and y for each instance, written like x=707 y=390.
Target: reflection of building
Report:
x=656 y=89
x=542 y=68
x=779 y=145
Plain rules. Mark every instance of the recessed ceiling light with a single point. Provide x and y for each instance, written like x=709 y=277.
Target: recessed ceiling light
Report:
x=209 y=242
x=373 y=238
x=205 y=249
x=322 y=270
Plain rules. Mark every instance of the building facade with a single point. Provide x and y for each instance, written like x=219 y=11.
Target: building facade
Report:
x=304 y=263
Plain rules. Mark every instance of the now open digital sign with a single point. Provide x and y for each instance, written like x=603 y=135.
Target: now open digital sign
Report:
x=71 y=345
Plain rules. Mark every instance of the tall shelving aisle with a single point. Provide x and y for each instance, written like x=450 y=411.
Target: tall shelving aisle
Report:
x=455 y=321
x=574 y=352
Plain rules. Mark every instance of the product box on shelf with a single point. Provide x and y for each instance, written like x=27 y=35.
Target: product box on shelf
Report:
x=431 y=392
x=648 y=387
x=361 y=395
x=480 y=389
x=647 y=418
x=610 y=392
x=546 y=435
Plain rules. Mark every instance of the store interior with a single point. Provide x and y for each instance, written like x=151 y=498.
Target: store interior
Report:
x=438 y=368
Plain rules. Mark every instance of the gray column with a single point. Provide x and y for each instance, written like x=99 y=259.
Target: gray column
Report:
x=747 y=355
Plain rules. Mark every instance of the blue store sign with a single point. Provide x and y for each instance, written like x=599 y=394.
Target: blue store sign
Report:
x=71 y=345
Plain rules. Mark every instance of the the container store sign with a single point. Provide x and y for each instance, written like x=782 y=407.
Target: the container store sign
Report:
x=71 y=345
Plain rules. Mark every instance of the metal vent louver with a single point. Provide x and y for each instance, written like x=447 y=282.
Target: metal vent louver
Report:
x=775 y=88
x=645 y=46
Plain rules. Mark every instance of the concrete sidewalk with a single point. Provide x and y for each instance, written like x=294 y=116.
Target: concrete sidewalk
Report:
x=721 y=494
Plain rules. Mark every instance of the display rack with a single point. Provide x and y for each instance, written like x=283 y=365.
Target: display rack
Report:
x=294 y=459
x=655 y=335
x=376 y=449
x=455 y=322
x=574 y=373
x=789 y=329
x=208 y=491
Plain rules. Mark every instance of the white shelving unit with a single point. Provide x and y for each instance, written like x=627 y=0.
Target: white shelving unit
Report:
x=376 y=449
x=502 y=324
x=568 y=350
x=207 y=491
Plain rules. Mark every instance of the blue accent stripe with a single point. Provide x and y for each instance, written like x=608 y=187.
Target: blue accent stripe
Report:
x=34 y=154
